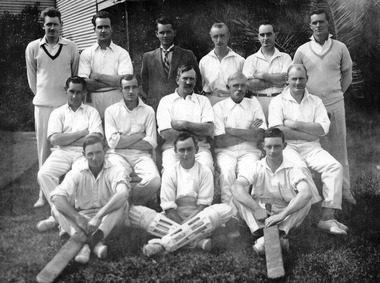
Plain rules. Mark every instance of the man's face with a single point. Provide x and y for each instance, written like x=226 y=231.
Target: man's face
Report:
x=52 y=27
x=103 y=29
x=297 y=80
x=237 y=88
x=165 y=34
x=130 y=89
x=75 y=94
x=186 y=151
x=219 y=36
x=267 y=36
x=273 y=148
x=186 y=82
x=94 y=154
x=319 y=25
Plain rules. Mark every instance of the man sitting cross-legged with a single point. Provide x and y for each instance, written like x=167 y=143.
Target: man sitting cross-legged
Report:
x=68 y=126
x=276 y=181
x=303 y=119
x=187 y=187
x=130 y=128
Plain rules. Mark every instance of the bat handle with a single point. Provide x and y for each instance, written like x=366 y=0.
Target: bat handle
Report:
x=268 y=207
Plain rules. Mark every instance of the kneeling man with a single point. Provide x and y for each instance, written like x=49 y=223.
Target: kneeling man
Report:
x=276 y=181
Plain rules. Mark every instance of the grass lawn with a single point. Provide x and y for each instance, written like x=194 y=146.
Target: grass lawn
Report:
x=314 y=256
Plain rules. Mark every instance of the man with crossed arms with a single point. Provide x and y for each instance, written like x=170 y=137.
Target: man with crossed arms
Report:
x=303 y=119
x=68 y=127
x=266 y=69
x=130 y=128
x=103 y=64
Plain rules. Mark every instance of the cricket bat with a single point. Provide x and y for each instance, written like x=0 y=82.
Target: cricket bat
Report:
x=68 y=251
x=273 y=253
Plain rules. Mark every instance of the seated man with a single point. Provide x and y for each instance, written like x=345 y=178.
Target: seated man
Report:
x=188 y=187
x=93 y=198
x=303 y=119
x=68 y=126
x=185 y=111
x=239 y=126
x=277 y=181
x=130 y=128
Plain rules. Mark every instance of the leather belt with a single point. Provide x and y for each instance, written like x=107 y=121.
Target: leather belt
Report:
x=263 y=94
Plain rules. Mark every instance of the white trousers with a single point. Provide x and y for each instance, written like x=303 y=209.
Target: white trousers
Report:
x=169 y=158
x=292 y=221
x=335 y=141
x=101 y=100
x=58 y=164
x=231 y=164
x=313 y=156
x=41 y=120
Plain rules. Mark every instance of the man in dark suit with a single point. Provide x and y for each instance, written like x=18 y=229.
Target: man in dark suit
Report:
x=159 y=67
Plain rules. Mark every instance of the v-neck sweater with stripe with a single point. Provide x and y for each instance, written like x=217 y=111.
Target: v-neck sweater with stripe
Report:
x=47 y=74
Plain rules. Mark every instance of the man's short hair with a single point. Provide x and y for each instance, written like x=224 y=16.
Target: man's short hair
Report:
x=51 y=12
x=184 y=136
x=166 y=21
x=184 y=68
x=76 y=80
x=268 y=23
x=128 y=78
x=319 y=12
x=220 y=25
x=297 y=67
x=237 y=75
x=274 y=133
x=102 y=15
x=93 y=138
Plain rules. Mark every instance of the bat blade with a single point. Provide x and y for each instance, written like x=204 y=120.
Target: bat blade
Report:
x=273 y=253
x=68 y=251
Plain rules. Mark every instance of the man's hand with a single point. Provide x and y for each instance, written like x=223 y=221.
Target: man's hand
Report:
x=290 y=124
x=273 y=220
x=179 y=125
x=258 y=75
x=93 y=225
x=94 y=76
x=261 y=214
x=257 y=123
x=82 y=222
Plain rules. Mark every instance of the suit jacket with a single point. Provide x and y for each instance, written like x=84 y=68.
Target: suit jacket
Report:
x=154 y=82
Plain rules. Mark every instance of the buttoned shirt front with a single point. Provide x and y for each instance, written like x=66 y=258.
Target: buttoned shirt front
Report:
x=65 y=120
x=194 y=108
x=120 y=120
x=178 y=182
x=215 y=73
x=279 y=185
x=114 y=60
x=85 y=191
x=311 y=109
x=228 y=114
x=257 y=63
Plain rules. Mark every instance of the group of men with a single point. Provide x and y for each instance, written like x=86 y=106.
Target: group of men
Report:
x=80 y=100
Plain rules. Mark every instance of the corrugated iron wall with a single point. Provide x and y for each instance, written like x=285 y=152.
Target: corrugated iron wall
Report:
x=16 y=6
x=76 y=17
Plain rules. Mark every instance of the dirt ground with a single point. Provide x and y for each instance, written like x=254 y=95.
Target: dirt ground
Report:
x=18 y=153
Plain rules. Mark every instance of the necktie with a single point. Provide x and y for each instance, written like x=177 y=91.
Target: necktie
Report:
x=166 y=61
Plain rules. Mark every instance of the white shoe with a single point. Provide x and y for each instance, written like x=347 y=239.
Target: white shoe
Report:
x=100 y=250
x=204 y=244
x=341 y=225
x=259 y=246
x=330 y=226
x=39 y=203
x=47 y=224
x=84 y=255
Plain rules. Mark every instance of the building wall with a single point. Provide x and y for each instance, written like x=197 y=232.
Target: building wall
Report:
x=76 y=17
x=16 y=6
